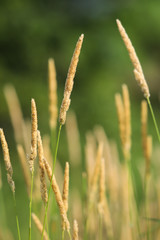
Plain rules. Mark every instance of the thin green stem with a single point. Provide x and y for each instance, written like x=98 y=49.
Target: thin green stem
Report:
x=17 y=221
x=53 y=141
x=154 y=119
x=30 y=206
x=63 y=235
x=47 y=228
x=69 y=235
x=49 y=192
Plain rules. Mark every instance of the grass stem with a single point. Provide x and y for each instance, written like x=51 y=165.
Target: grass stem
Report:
x=17 y=221
x=63 y=235
x=154 y=119
x=30 y=206
x=69 y=235
x=47 y=228
x=49 y=192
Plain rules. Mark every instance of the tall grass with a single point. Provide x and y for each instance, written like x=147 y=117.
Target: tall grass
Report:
x=105 y=207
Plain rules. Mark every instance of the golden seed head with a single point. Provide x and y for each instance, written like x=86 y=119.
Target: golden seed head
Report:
x=66 y=187
x=7 y=161
x=75 y=230
x=124 y=118
x=69 y=81
x=121 y=118
x=53 y=110
x=58 y=196
x=127 y=116
x=144 y=113
x=130 y=48
x=43 y=186
x=65 y=190
x=15 y=112
x=142 y=83
x=138 y=72
x=34 y=128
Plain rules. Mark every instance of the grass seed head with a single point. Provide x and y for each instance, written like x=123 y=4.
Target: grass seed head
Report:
x=144 y=113
x=7 y=161
x=58 y=196
x=69 y=81
x=127 y=116
x=138 y=72
x=66 y=187
x=15 y=112
x=53 y=110
x=43 y=186
x=121 y=118
x=75 y=230
x=65 y=190
x=142 y=83
x=34 y=128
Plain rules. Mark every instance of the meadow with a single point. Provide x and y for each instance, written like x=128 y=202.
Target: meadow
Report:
x=109 y=198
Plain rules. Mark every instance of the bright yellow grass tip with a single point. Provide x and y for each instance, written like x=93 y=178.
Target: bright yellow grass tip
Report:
x=144 y=116
x=138 y=72
x=43 y=186
x=53 y=109
x=58 y=196
x=75 y=230
x=34 y=128
x=66 y=187
x=69 y=81
x=7 y=161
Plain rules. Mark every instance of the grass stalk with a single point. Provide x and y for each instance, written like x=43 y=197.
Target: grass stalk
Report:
x=69 y=234
x=154 y=119
x=30 y=206
x=63 y=235
x=17 y=221
x=49 y=192
x=47 y=228
x=53 y=141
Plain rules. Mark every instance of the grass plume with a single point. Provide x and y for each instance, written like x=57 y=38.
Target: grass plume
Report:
x=69 y=81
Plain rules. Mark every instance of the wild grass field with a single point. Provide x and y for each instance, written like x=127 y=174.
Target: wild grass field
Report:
x=110 y=197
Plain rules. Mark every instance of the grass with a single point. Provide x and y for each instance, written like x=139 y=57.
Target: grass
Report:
x=107 y=206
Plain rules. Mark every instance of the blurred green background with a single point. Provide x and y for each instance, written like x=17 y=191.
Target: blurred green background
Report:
x=33 y=31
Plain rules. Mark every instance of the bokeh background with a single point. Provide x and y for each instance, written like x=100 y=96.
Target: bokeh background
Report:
x=33 y=31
